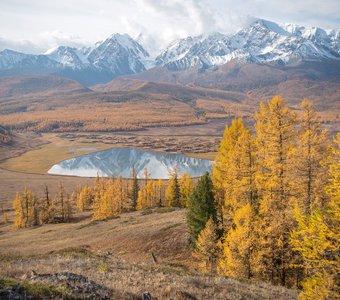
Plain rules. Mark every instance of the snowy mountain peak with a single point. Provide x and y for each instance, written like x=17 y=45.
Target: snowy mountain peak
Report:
x=119 y=54
x=10 y=59
x=69 y=57
x=261 y=41
x=267 y=25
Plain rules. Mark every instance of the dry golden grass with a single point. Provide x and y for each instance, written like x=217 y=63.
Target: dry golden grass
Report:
x=132 y=236
x=104 y=116
x=117 y=253
x=228 y=109
x=13 y=182
x=208 y=155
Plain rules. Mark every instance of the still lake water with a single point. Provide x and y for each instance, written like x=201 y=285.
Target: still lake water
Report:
x=120 y=161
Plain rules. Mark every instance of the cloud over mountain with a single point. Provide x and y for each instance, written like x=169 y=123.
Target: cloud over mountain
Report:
x=45 y=24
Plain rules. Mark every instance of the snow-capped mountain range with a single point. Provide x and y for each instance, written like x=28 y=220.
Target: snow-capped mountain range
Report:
x=119 y=54
x=120 y=161
x=260 y=42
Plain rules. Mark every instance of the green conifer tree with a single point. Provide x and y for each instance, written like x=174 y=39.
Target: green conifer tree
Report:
x=201 y=206
x=173 y=194
x=134 y=189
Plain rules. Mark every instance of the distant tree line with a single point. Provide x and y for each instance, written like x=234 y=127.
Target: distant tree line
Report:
x=108 y=197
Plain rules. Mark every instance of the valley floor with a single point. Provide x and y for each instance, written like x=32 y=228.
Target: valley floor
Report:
x=26 y=162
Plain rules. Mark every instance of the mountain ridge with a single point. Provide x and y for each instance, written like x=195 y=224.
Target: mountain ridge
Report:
x=260 y=42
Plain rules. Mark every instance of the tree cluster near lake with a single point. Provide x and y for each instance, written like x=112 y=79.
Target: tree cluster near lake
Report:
x=105 y=199
x=32 y=211
x=276 y=193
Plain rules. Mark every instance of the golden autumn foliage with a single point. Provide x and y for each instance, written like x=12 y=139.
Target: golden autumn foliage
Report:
x=240 y=248
x=277 y=191
x=317 y=239
x=18 y=207
x=106 y=198
x=26 y=210
x=150 y=195
x=111 y=198
x=239 y=200
x=185 y=186
x=85 y=198
x=206 y=249
x=309 y=176
x=224 y=166
x=31 y=210
x=274 y=126
x=280 y=206
x=235 y=184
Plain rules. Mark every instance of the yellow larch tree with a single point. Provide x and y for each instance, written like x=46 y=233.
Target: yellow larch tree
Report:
x=206 y=249
x=26 y=210
x=160 y=192
x=240 y=257
x=101 y=203
x=121 y=195
x=19 y=215
x=185 y=186
x=47 y=209
x=234 y=171
x=150 y=193
x=239 y=184
x=141 y=200
x=309 y=175
x=111 y=199
x=240 y=206
x=85 y=197
x=317 y=239
x=275 y=128
x=172 y=193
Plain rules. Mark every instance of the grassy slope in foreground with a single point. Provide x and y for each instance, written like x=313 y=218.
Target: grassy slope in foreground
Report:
x=117 y=253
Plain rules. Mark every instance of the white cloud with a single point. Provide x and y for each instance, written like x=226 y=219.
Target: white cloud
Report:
x=37 y=25
x=20 y=45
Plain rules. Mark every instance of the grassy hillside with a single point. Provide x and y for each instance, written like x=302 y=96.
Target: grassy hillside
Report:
x=118 y=254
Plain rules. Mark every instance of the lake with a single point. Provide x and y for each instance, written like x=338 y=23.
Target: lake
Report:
x=120 y=161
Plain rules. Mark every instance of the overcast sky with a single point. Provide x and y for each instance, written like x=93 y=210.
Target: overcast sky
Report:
x=34 y=26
